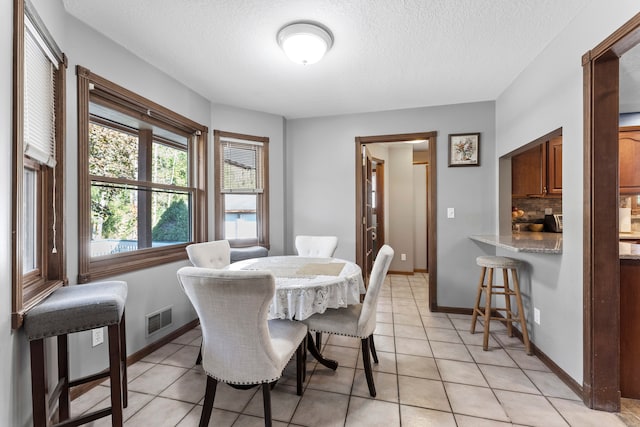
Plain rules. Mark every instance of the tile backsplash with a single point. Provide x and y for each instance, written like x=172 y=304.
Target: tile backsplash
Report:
x=534 y=207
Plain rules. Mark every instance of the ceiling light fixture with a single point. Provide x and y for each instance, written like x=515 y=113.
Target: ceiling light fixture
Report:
x=305 y=42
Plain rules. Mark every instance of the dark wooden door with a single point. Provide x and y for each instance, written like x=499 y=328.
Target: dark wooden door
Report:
x=368 y=226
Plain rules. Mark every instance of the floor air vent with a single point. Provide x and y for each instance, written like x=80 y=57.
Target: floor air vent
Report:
x=158 y=320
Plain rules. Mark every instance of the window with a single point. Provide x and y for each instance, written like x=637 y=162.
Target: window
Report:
x=38 y=156
x=242 y=197
x=141 y=177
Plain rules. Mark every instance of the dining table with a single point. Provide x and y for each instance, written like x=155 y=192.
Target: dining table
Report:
x=306 y=286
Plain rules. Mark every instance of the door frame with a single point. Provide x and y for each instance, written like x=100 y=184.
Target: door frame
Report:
x=601 y=279
x=431 y=200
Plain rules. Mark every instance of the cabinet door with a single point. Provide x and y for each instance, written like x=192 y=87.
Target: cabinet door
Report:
x=629 y=162
x=527 y=173
x=629 y=329
x=554 y=166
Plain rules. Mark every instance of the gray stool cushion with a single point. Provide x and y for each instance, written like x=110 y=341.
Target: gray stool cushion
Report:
x=238 y=254
x=498 y=262
x=76 y=308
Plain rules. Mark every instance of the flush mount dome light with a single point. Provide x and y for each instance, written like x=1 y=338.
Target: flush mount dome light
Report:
x=305 y=42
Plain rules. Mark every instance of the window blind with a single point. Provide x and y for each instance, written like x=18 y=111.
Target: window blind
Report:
x=39 y=98
x=242 y=167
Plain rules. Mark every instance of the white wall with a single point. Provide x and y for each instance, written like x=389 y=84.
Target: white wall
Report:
x=320 y=183
x=546 y=96
x=401 y=232
x=420 y=216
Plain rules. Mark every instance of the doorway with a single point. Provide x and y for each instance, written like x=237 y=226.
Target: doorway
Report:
x=601 y=387
x=363 y=166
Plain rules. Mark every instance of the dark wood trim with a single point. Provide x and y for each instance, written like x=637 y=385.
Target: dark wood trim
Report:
x=91 y=86
x=601 y=293
x=109 y=90
x=454 y=310
x=402 y=273
x=27 y=293
x=139 y=355
x=18 y=156
x=431 y=201
x=263 y=199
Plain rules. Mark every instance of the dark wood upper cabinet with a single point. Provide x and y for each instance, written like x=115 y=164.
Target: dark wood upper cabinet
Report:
x=537 y=172
x=629 y=142
x=554 y=165
x=527 y=176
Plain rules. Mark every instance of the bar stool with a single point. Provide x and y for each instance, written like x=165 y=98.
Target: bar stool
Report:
x=505 y=263
x=73 y=309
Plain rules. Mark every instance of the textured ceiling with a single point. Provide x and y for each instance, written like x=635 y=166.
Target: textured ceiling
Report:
x=388 y=54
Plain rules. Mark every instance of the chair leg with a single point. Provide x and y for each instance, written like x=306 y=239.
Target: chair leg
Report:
x=366 y=360
x=38 y=383
x=300 y=368
x=209 y=395
x=319 y=341
x=487 y=312
x=266 y=400
x=199 y=358
x=64 y=411
x=373 y=349
x=115 y=373
x=507 y=301
x=123 y=359
x=476 y=307
x=523 y=321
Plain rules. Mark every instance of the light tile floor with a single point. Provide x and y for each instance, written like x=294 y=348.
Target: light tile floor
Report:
x=431 y=372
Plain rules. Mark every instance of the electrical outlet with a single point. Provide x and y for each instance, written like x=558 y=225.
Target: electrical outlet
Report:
x=451 y=213
x=536 y=316
x=403 y=257
x=97 y=336
x=548 y=211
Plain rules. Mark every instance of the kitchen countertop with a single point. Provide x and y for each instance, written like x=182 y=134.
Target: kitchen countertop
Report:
x=629 y=251
x=634 y=235
x=527 y=241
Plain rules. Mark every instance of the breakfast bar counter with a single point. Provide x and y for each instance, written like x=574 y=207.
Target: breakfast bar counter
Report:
x=525 y=241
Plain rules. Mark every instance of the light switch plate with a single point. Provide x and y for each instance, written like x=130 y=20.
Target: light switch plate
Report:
x=451 y=213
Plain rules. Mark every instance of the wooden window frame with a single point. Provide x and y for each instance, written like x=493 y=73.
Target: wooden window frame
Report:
x=128 y=102
x=262 y=208
x=31 y=288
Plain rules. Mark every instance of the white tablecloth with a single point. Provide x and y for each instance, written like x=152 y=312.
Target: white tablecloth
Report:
x=305 y=286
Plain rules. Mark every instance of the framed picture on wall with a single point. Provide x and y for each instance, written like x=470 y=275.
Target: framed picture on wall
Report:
x=464 y=149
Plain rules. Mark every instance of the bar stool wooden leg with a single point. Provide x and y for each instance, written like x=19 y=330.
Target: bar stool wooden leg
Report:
x=123 y=361
x=507 y=300
x=38 y=383
x=115 y=369
x=487 y=311
x=523 y=322
x=63 y=377
x=476 y=307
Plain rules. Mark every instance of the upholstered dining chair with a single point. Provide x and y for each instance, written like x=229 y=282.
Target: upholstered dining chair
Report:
x=358 y=320
x=316 y=246
x=240 y=346
x=215 y=254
